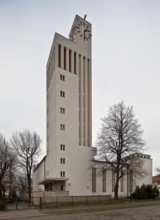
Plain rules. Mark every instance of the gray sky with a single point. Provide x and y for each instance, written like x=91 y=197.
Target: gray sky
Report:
x=126 y=66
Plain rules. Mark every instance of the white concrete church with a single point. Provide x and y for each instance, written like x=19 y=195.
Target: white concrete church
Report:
x=69 y=167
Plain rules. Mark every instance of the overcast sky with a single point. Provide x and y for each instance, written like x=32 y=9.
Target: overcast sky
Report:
x=125 y=56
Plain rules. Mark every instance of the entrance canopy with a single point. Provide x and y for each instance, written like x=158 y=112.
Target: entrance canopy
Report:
x=52 y=179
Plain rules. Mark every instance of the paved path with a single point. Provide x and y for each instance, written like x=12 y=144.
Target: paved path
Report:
x=139 y=213
x=21 y=214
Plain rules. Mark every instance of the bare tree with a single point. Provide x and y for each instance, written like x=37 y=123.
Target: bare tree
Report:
x=7 y=166
x=10 y=179
x=119 y=141
x=27 y=147
x=22 y=184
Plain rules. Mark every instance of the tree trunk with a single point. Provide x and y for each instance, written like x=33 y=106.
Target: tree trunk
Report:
x=116 y=190
x=29 y=188
x=0 y=191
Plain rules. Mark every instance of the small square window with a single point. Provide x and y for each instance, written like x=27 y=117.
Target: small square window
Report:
x=62 y=127
x=62 y=146
x=62 y=110
x=62 y=174
x=62 y=160
x=62 y=93
x=62 y=77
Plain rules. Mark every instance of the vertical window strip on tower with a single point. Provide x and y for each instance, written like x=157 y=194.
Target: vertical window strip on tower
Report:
x=70 y=61
x=59 y=55
x=65 y=58
x=88 y=94
x=75 y=63
x=80 y=106
x=84 y=104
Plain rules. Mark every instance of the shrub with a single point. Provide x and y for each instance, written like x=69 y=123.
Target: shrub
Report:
x=145 y=192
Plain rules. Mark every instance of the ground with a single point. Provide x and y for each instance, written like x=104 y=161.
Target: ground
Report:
x=137 y=213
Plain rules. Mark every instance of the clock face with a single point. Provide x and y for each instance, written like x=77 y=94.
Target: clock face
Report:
x=83 y=30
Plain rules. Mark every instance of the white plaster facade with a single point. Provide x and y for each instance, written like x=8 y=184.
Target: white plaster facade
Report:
x=67 y=167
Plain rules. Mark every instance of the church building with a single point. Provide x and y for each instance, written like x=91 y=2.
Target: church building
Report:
x=69 y=167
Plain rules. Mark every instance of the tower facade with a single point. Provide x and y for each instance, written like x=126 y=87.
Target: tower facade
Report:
x=69 y=112
x=69 y=167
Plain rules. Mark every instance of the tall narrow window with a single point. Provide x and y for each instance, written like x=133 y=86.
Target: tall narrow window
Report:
x=122 y=184
x=70 y=61
x=103 y=180
x=113 y=180
x=75 y=63
x=64 y=58
x=131 y=181
x=59 y=55
x=93 y=179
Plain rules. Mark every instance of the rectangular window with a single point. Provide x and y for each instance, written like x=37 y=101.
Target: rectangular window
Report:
x=75 y=63
x=62 y=146
x=70 y=61
x=59 y=55
x=64 y=58
x=103 y=180
x=93 y=179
